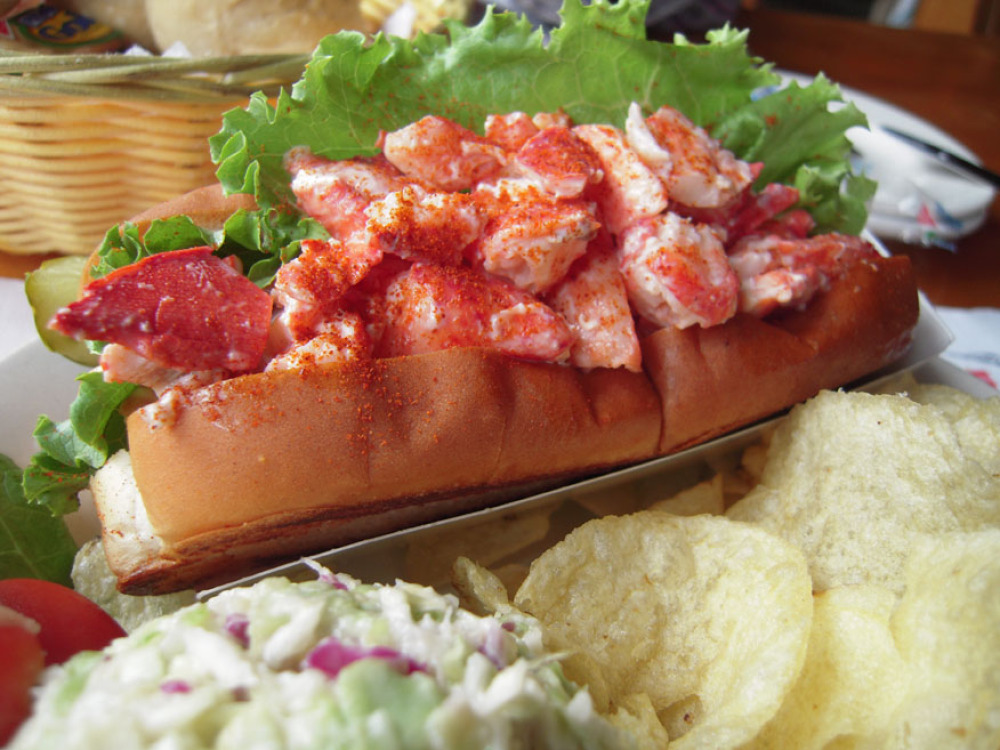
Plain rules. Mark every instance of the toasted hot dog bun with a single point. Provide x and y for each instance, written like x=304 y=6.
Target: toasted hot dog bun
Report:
x=261 y=468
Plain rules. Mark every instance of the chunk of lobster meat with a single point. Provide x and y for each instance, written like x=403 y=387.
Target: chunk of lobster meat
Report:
x=368 y=297
x=512 y=130
x=186 y=309
x=763 y=293
x=442 y=153
x=557 y=119
x=371 y=176
x=498 y=197
x=336 y=193
x=509 y=131
x=829 y=253
x=341 y=338
x=677 y=273
x=534 y=244
x=794 y=224
x=750 y=212
x=759 y=208
x=560 y=161
x=630 y=190
x=430 y=308
x=777 y=272
x=119 y=364
x=419 y=224
x=594 y=302
x=696 y=169
x=312 y=283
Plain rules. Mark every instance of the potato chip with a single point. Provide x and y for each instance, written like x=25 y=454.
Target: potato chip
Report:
x=635 y=714
x=921 y=670
x=754 y=458
x=976 y=421
x=947 y=629
x=707 y=617
x=851 y=478
x=852 y=679
x=479 y=590
x=511 y=575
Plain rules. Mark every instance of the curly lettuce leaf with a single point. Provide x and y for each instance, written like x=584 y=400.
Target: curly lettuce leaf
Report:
x=33 y=542
x=124 y=244
x=802 y=141
x=71 y=450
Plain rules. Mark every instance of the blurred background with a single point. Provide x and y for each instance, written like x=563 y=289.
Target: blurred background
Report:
x=693 y=17
x=958 y=16
x=295 y=25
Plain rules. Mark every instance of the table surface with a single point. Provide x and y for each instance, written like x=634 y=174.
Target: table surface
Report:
x=951 y=81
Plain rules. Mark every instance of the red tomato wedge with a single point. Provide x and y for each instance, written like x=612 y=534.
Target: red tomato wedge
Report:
x=186 y=309
x=69 y=621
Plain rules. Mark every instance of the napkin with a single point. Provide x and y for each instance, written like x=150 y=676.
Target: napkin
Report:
x=976 y=347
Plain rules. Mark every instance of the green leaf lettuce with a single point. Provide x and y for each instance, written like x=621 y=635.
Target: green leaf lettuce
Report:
x=72 y=449
x=33 y=542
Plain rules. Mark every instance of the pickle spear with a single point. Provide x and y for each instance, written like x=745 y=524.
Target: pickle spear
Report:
x=55 y=284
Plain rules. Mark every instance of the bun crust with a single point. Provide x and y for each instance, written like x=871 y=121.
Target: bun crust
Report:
x=351 y=439
x=262 y=468
x=208 y=207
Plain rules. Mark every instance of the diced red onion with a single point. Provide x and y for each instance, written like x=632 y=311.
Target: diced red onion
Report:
x=331 y=655
x=237 y=625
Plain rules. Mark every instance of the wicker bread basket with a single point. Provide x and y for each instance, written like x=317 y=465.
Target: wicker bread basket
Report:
x=87 y=141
